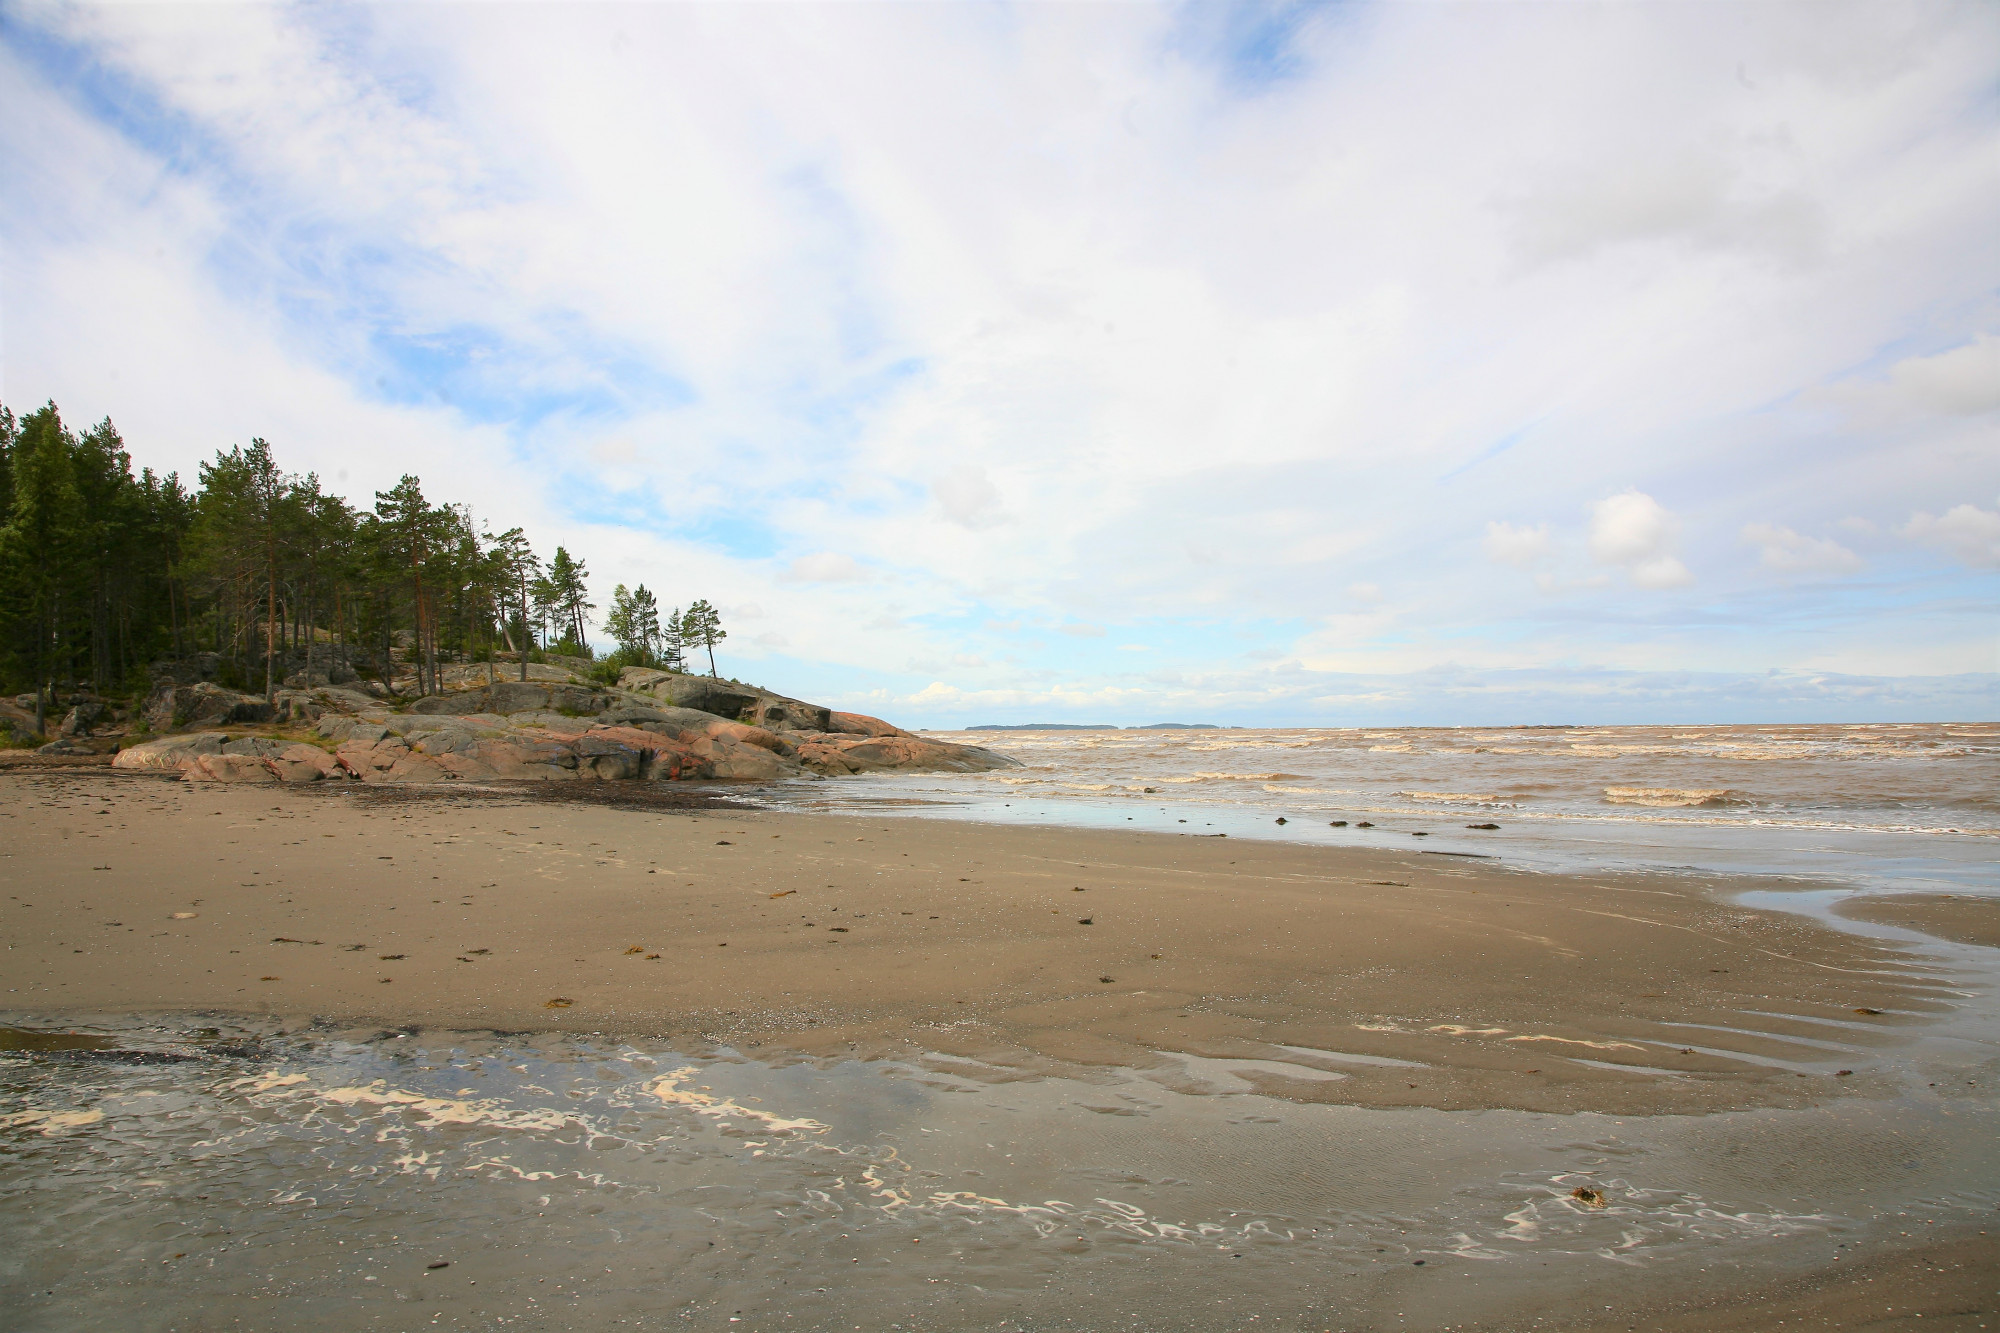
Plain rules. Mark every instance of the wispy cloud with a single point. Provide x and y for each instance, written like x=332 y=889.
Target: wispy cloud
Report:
x=1787 y=552
x=1967 y=532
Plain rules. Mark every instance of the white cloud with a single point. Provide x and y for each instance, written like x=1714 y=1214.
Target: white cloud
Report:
x=968 y=496
x=825 y=567
x=1964 y=380
x=1522 y=547
x=1082 y=631
x=1633 y=531
x=1967 y=532
x=1786 y=552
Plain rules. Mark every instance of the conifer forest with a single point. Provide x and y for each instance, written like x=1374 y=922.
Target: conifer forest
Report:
x=104 y=571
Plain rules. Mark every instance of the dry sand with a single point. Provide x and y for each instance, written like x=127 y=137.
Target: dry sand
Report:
x=782 y=932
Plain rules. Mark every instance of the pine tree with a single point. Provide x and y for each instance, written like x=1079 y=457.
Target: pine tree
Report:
x=619 y=625
x=702 y=624
x=40 y=554
x=569 y=599
x=646 y=625
x=408 y=529
x=519 y=568
x=672 y=640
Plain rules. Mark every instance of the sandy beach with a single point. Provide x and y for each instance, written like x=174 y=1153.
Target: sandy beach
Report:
x=1062 y=963
x=828 y=935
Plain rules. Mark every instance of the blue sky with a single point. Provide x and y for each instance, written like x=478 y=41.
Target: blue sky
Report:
x=1267 y=364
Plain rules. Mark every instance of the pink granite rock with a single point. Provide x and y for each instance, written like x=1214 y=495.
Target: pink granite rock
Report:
x=860 y=724
x=306 y=763
x=837 y=755
x=229 y=768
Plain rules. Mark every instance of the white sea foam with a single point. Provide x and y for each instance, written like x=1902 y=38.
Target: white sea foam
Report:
x=1665 y=796
x=1235 y=777
x=1457 y=798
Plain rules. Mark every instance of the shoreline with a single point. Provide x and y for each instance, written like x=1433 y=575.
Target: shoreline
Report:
x=1370 y=978
x=1960 y=918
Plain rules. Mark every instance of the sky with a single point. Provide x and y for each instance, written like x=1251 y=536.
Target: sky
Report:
x=1280 y=364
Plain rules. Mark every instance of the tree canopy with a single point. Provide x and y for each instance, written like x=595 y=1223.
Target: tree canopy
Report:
x=104 y=571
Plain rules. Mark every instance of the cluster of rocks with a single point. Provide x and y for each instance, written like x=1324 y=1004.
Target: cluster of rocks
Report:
x=654 y=726
x=74 y=717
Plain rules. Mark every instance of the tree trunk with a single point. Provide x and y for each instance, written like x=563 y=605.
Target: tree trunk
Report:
x=417 y=642
x=271 y=618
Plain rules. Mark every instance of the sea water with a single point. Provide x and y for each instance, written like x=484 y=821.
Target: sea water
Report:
x=1882 y=807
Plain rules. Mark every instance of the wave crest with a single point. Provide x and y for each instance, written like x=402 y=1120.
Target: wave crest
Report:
x=1665 y=796
x=1236 y=777
x=1457 y=798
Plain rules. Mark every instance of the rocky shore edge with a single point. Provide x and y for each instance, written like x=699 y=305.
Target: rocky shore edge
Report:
x=653 y=726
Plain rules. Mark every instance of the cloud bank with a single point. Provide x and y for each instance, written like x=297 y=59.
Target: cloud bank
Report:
x=970 y=349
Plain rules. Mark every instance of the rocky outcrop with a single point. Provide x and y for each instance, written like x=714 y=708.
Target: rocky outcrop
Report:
x=510 y=696
x=860 y=724
x=744 y=703
x=173 y=706
x=656 y=726
x=218 y=757
x=835 y=754
x=630 y=743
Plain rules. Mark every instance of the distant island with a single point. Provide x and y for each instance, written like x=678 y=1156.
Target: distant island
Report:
x=1095 y=726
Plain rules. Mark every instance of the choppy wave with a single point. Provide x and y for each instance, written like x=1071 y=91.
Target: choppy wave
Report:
x=1457 y=798
x=1902 y=803
x=1235 y=777
x=1666 y=796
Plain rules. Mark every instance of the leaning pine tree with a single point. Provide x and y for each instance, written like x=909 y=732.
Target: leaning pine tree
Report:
x=702 y=624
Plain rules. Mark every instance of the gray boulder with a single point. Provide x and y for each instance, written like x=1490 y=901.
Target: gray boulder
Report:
x=777 y=713
x=203 y=704
x=458 y=701
x=515 y=696
x=512 y=696
x=80 y=719
x=703 y=694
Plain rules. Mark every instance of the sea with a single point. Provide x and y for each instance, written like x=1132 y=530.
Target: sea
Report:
x=1887 y=807
x=186 y=1174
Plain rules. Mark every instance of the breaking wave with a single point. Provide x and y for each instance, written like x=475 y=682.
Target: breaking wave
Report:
x=1679 y=797
x=1458 y=798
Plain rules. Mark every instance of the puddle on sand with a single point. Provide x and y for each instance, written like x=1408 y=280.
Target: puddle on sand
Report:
x=178 y=1182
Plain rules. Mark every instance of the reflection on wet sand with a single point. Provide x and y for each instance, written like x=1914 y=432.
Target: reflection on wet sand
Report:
x=583 y=1182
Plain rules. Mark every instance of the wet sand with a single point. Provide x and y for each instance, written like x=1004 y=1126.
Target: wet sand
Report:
x=1948 y=916
x=1038 y=948
x=1903 y=1287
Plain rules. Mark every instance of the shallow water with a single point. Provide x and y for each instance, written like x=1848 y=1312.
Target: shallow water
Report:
x=1889 y=806
x=267 y=1179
